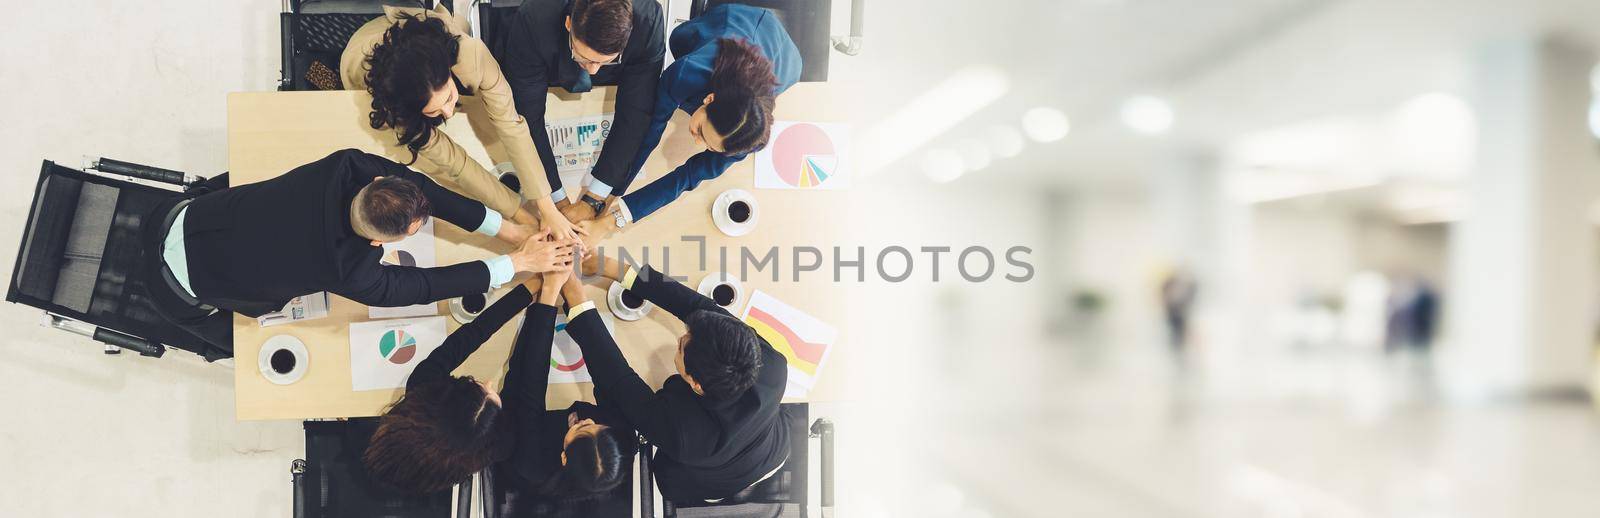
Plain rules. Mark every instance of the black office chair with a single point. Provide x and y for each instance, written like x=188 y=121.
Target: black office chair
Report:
x=502 y=499
x=331 y=481
x=492 y=17
x=784 y=494
x=807 y=22
x=314 y=34
x=81 y=253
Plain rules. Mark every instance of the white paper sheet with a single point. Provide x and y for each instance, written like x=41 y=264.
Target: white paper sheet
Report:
x=805 y=156
x=805 y=341
x=416 y=250
x=566 y=359
x=576 y=142
x=383 y=352
x=304 y=307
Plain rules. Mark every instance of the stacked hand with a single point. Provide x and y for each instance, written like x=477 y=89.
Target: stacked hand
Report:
x=552 y=283
x=578 y=212
x=543 y=252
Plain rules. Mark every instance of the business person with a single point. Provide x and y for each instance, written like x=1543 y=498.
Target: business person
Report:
x=446 y=427
x=730 y=64
x=417 y=64
x=576 y=45
x=320 y=227
x=716 y=424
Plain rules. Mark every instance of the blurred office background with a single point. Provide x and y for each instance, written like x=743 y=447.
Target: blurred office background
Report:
x=1375 y=221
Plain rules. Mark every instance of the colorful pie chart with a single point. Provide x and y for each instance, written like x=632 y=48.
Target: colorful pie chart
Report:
x=803 y=155
x=397 y=346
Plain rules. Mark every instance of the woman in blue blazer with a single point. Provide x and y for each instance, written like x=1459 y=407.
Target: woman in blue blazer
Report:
x=729 y=65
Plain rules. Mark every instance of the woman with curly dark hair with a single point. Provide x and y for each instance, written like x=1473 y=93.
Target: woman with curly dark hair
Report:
x=446 y=427
x=729 y=65
x=417 y=64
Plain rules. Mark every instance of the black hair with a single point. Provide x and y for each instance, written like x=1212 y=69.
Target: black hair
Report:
x=598 y=463
x=742 y=79
x=437 y=435
x=722 y=354
x=391 y=204
x=404 y=70
x=603 y=25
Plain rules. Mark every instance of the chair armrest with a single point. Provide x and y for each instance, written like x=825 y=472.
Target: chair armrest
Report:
x=647 y=487
x=464 y=499
x=823 y=428
x=297 y=476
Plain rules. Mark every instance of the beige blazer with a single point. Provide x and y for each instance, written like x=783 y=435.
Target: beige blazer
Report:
x=443 y=159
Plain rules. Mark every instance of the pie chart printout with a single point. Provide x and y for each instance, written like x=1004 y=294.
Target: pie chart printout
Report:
x=397 y=346
x=384 y=352
x=804 y=155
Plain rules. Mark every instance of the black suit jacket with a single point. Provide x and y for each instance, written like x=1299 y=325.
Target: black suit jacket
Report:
x=537 y=56
x=537 y=434
x=706 y=448
x=254 y=247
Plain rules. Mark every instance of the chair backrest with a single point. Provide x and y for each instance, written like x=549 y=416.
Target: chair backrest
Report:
x=338 y=484
x=504 y=498
x=806 y=21
x=312 y=45
x=81 y=254
x=492 y=17
x=783 y=494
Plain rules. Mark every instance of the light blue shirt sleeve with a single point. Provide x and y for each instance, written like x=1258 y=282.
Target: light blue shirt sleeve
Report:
x=559 y=195
x=500 y=270
x=599 y=189
x=491 y=223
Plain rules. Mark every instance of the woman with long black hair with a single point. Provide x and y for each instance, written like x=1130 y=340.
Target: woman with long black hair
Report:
x=448 y=427
x=417 y=64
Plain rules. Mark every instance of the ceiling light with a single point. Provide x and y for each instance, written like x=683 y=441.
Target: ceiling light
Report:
x=1046 y=124
x=1147 y=114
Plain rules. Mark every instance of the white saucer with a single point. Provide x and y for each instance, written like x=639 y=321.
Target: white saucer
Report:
x=302 y=360
x=460 y=313
x=614 y=301
x=719 y=212
x=713 y=279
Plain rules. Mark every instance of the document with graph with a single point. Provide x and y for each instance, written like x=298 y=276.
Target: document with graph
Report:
x=576 y=142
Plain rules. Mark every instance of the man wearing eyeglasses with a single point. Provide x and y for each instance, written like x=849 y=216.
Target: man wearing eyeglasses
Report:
x=577 y=45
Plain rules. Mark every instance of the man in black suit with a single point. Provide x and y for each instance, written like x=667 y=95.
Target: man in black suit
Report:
x=319 y=227
x=576 y=45
x=716 y=424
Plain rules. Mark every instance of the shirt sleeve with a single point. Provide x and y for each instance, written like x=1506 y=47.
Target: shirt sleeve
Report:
x=500 y=270
x=491 y=223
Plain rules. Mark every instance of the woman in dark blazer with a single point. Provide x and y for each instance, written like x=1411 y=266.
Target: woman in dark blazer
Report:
x=448 y=427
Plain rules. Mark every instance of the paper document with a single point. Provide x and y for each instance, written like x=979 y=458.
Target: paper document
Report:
x=805 y=156
x=576 y=142
x=804 y=341
x=304 y=307
x=383 y=352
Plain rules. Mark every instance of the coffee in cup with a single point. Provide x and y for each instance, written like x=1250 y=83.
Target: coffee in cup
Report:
x=473 y=303
x=723 y=294
x=282 y=361
x=631 y=300
x=739 y=211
